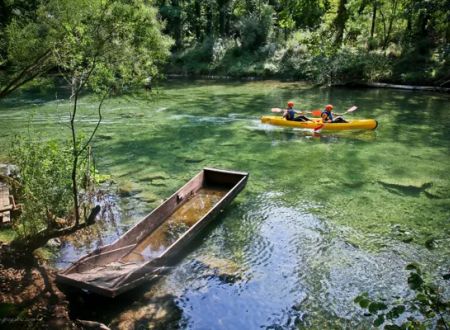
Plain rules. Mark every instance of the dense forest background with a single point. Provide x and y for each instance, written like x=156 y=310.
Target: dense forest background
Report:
x=324 y=41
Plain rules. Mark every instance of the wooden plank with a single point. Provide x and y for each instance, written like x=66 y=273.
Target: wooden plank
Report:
x=5 y=205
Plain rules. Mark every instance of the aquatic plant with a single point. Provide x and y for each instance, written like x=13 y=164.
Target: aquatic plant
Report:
x=427 y=309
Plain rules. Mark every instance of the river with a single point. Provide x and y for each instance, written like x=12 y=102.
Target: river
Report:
x=322 y=219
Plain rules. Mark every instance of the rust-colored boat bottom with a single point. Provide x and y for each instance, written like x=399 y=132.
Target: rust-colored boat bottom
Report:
x=181 y=220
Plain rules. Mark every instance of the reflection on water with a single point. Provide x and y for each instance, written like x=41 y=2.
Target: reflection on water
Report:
x=177 y=224
x=322 y=218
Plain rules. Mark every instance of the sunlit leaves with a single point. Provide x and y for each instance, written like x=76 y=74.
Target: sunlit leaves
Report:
x=45 y=191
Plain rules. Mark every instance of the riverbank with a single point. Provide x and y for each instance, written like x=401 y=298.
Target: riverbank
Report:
x=298 y=60
x=30 y=299
x=357 y=84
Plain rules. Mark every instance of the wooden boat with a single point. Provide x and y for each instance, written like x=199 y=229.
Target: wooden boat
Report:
x=145 y=250
x=316 y=124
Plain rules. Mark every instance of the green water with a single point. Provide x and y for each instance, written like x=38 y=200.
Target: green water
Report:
x=322 y=217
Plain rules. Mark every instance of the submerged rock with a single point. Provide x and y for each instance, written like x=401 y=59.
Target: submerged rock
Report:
x=225 y=269
x=147 y=196
x=104 y=136
x=154 y=176
x=127 y=188
x=438 y=190
x=155 y=312
x=159 y=183
x=410 y=188
x=193 y=160
x=430 y=244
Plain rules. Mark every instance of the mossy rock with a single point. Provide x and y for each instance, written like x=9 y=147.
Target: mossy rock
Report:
x=127 y=188
x=438 y=190
x=147 y=196
x=226 y=270
x=407 y=182
x=105 y=136
x=154 y=176
x=325 y=181
x=194 y=160
x=353 y=184
x=159 y=183
x=410 y=187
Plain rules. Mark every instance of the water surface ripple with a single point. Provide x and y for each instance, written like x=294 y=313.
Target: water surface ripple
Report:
x=323 y=218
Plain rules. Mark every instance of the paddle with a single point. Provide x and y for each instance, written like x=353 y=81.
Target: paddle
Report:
x=317 y=112
x=349 y=110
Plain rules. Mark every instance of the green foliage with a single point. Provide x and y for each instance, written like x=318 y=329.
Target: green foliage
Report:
x=6 y=235
x=301 y=14
x=400 y=41
x=45 y=190
x=107 y=44
x=256 y=28
x=97 y=43
x=426 y=310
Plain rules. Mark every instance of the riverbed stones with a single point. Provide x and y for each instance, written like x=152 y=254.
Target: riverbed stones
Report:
x=154 y=176
x=154 y=312
x=226 y=270
x=147 y=196
x=127 y=188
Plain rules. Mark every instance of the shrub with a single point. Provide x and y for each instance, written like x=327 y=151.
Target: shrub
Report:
x=45 y=186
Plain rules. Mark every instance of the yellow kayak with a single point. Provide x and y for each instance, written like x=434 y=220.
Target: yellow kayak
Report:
x=317 y=124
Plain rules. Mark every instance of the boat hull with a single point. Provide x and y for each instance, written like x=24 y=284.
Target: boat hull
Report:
x=118 y=267
x=316 y=124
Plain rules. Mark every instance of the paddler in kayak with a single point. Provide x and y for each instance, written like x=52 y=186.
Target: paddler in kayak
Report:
x=329 y=117
x=290 y=113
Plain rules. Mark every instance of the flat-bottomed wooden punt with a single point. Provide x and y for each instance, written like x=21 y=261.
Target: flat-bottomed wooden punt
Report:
x=142 y=253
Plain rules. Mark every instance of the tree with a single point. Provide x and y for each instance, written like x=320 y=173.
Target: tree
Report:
x=340 y=21
x=101 y=45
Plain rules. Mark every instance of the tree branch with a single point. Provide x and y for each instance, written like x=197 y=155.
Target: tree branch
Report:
x=29 y=70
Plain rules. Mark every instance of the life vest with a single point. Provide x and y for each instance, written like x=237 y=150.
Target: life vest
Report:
x=326 y=116
x=290 y=114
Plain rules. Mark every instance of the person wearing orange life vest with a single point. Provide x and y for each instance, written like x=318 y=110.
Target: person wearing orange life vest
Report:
x=290 y=113
x=328 y=115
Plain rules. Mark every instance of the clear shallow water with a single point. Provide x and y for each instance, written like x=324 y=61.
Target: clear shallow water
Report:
x=322 y=218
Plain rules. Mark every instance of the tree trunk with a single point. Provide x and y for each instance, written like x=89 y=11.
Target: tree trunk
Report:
x=75 y=91
x=197 y=26
x=209 y=19
x=374 y=17
x=177 y=24
x=222 y=13
x=391 y=21
x=339 y=22
x=372 y=28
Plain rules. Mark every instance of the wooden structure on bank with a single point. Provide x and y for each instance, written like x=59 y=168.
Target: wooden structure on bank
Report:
x=6 y=204
x=144 y=252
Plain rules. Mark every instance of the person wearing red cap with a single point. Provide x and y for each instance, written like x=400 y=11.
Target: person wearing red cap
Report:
x=328 y=115
x=290 y=113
